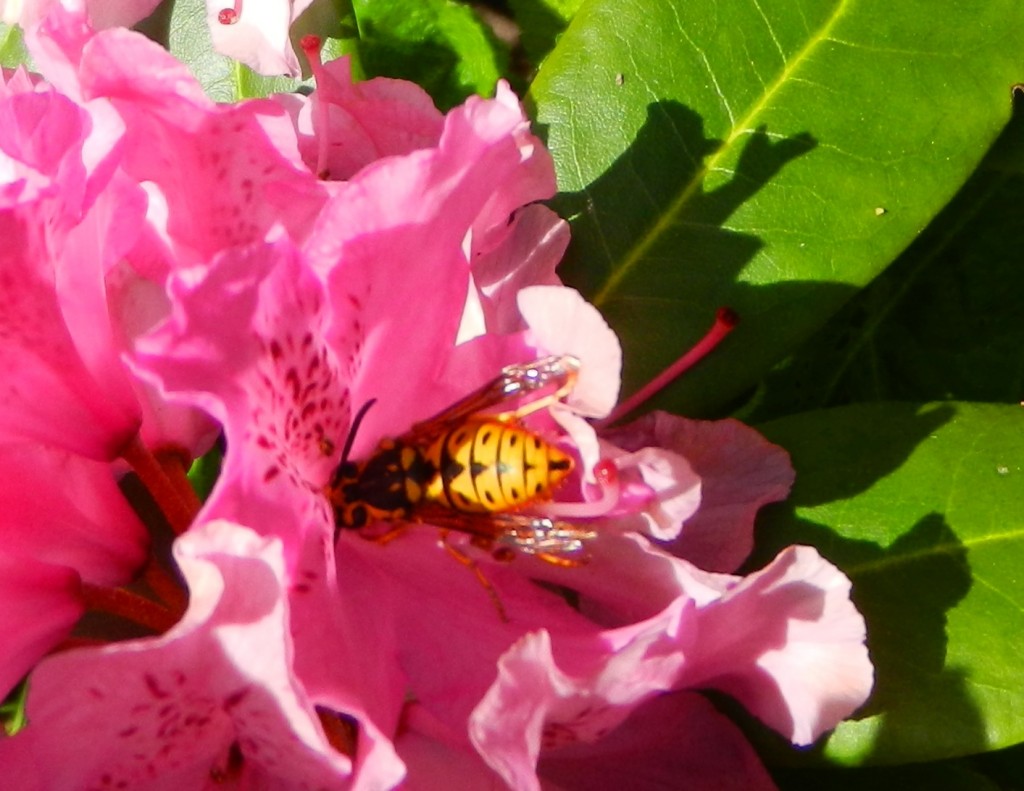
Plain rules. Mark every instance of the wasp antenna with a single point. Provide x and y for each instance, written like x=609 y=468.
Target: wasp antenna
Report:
x=356 y=421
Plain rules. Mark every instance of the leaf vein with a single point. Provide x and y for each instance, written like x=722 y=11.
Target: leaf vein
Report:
x=738 y=128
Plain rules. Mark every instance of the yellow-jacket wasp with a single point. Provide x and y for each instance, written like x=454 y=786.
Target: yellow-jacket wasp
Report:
x=472 y=468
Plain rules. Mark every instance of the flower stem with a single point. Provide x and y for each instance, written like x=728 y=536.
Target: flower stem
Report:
x=166 y=495
x=128 y=605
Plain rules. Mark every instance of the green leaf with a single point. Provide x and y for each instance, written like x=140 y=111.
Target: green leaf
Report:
x=540 y=23
x=957 y=775
x=12 y=710
x=942 y=323
x=923 y=508
x=13 y=52
x=205 y=470
x=772 y=156
x=439 y=44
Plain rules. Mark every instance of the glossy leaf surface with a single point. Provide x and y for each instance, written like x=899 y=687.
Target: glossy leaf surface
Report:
x=771 y=156
x=923 y=508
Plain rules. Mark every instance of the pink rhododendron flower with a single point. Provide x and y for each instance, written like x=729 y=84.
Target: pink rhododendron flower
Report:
x=310 y=654
x=210 y=702
x=349 y=125
x=52 y=539
x=100 y=13
x=255 y=32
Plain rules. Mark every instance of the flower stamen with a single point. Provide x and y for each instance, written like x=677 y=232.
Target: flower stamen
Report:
x=178 y=512
x=726 y=320
x=607 y=475
x=311 y=46
x=130 y=606
x=230 y=16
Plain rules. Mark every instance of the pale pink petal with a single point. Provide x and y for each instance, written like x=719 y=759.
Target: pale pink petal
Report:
x=562 y=322
x=534 y=705
x=101 y=13
x=536 y=241
x=739 y=471
x=674 y=490
x=39 y=604
x=582 y=438
x=85 y=523
x=788 y=643
x=214 y=697
x=673 y=741
x=119 y=13
x=258 y=37
x=364 y=120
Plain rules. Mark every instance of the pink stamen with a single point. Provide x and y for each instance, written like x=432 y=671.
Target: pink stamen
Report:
x=311 y=45
x=725 y=322
x=230 y=16
x=607 y=475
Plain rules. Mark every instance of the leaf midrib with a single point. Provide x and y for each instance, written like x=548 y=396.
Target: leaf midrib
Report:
x=646 y=240
x=948 y=548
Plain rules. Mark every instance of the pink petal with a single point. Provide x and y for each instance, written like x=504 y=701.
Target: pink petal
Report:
x=50 y=393
x=438 y=760
x=119 y=13
x=535 y=244
x=101 y=13
x=441 y=611
x=175 y=709
x=365 y=120
x=137 y=306
x=788 y=643
x=673 y=490
x=398 y=230
x=739 y=472
x=40 y=137
x=534 y=705
x=245 y=343
x=672 y=741
x=85 y=523
x=562 y=322
x=228 y=173
x=39 y=604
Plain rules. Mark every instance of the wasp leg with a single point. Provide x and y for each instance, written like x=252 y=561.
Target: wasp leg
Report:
x=472 y=565
x=387 y=537
x=514 y=382
x=551 y=540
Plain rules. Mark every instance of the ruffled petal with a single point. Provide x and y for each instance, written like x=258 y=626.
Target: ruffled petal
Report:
x=788 y=643
x=739 y=470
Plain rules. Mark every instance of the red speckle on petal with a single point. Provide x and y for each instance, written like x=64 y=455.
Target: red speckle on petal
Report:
x=154 y=687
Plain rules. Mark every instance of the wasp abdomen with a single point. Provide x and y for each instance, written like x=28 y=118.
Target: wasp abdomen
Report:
x=491 y=466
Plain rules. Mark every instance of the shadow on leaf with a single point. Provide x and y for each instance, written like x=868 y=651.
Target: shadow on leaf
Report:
x=653 y=250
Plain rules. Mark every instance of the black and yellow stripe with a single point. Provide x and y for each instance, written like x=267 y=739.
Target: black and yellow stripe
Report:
x=488 y=466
